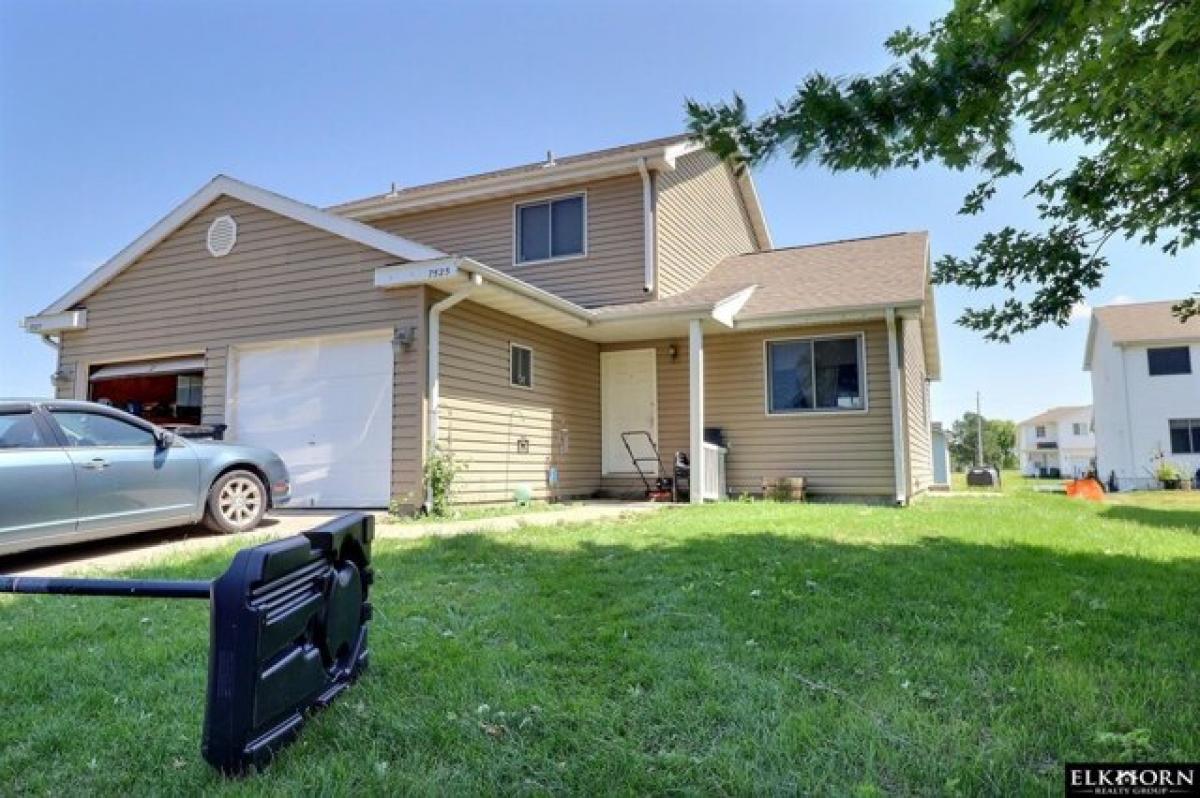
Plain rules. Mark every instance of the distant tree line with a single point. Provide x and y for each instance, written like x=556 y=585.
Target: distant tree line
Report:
x=999 y=442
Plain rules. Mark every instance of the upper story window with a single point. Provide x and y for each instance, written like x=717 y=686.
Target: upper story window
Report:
x=1039 y=431
x=552 y=229
x=815 y=375
x=1169 y=360
x=1079 y=428
x=520 y=366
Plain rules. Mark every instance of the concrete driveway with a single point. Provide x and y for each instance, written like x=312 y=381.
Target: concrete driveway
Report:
x=132 y=550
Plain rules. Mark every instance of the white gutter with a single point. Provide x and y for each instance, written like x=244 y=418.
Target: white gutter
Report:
x=899 y=458
x=435 y=346
x=648 y=225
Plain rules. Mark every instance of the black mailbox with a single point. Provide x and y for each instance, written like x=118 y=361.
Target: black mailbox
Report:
x=288 y=633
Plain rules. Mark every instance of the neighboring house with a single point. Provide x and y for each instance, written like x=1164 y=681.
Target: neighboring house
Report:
x=940 y=448
x=522 y=319
x=1145 y=367
x=1057 y=443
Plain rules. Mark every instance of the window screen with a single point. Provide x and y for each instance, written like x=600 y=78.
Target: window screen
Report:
x=521 y=366
x=551 y=229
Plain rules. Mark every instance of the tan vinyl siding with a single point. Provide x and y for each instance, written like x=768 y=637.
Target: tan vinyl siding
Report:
x=701 y=220
x=612 y=272
x=282 y=280
x=841 y=454
x=916 y=409
x=483 y=416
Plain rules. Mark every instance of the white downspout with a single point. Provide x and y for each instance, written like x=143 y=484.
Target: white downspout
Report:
x=648 y=225
x=899 y=445
x=434 y=367
x=696 y=410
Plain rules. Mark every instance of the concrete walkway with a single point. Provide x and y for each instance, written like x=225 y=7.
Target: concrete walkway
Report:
x=135 y=550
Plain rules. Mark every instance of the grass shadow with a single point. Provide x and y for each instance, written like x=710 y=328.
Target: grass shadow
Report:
x=1188 y=520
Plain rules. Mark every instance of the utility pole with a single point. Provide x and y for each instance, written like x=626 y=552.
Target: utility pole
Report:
x=978 y=432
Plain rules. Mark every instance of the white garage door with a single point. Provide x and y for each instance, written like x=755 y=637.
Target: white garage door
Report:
x=325 y=405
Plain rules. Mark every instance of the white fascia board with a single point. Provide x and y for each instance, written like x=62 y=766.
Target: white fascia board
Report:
x=427 y=272
x=49 y=323
x=726 y=310
x=456 y=193
x=439 y=271
x=1091 y=341
x=790 y=319
x=758 y=219
x=252 y=195
x=507 y=281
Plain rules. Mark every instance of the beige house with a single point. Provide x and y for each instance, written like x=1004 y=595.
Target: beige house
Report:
x=524 y=320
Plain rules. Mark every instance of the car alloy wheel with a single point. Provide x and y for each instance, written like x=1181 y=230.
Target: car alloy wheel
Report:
x=239 y=501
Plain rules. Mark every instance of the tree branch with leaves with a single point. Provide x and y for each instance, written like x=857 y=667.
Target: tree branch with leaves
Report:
x=1122 y=77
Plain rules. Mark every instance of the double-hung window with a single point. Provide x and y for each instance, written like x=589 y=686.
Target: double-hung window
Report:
x=815 y=375
x=1185 y=435
x=552 y=229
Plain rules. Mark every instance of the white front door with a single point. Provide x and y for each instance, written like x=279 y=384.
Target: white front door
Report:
x=628 y=403
x=325 y=406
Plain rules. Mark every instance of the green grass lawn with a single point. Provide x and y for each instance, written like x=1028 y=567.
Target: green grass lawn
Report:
x=965 y=645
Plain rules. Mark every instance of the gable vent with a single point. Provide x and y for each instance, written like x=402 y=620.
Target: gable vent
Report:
x=222 y=235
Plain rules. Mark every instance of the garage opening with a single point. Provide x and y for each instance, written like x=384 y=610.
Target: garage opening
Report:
x=168 y=392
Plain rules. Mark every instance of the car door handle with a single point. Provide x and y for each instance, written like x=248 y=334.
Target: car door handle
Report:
x=95 y=464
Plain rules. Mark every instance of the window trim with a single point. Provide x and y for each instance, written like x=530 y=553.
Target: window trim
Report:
x=512 y=345
x=864 y=384
x=1150 y=369
x=1193 y=424
x=548 y=199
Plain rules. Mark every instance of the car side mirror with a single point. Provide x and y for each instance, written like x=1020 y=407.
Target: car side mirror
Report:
x=164 y=439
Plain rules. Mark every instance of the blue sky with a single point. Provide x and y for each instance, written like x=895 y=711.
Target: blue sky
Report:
x=111 y=113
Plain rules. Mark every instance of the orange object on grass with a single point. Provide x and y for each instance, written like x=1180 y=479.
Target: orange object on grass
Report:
x=1087 y=488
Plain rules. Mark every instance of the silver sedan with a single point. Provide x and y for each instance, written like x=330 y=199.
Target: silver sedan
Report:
x=75 y=471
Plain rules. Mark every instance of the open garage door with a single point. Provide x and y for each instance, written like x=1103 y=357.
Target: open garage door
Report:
x=166 y=391
x=325 y=405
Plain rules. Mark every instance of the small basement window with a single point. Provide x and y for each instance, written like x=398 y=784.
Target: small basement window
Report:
x=520 y=365
x=166 y=392
x=815 y=375
x=1169 y=360
x=551 y=229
